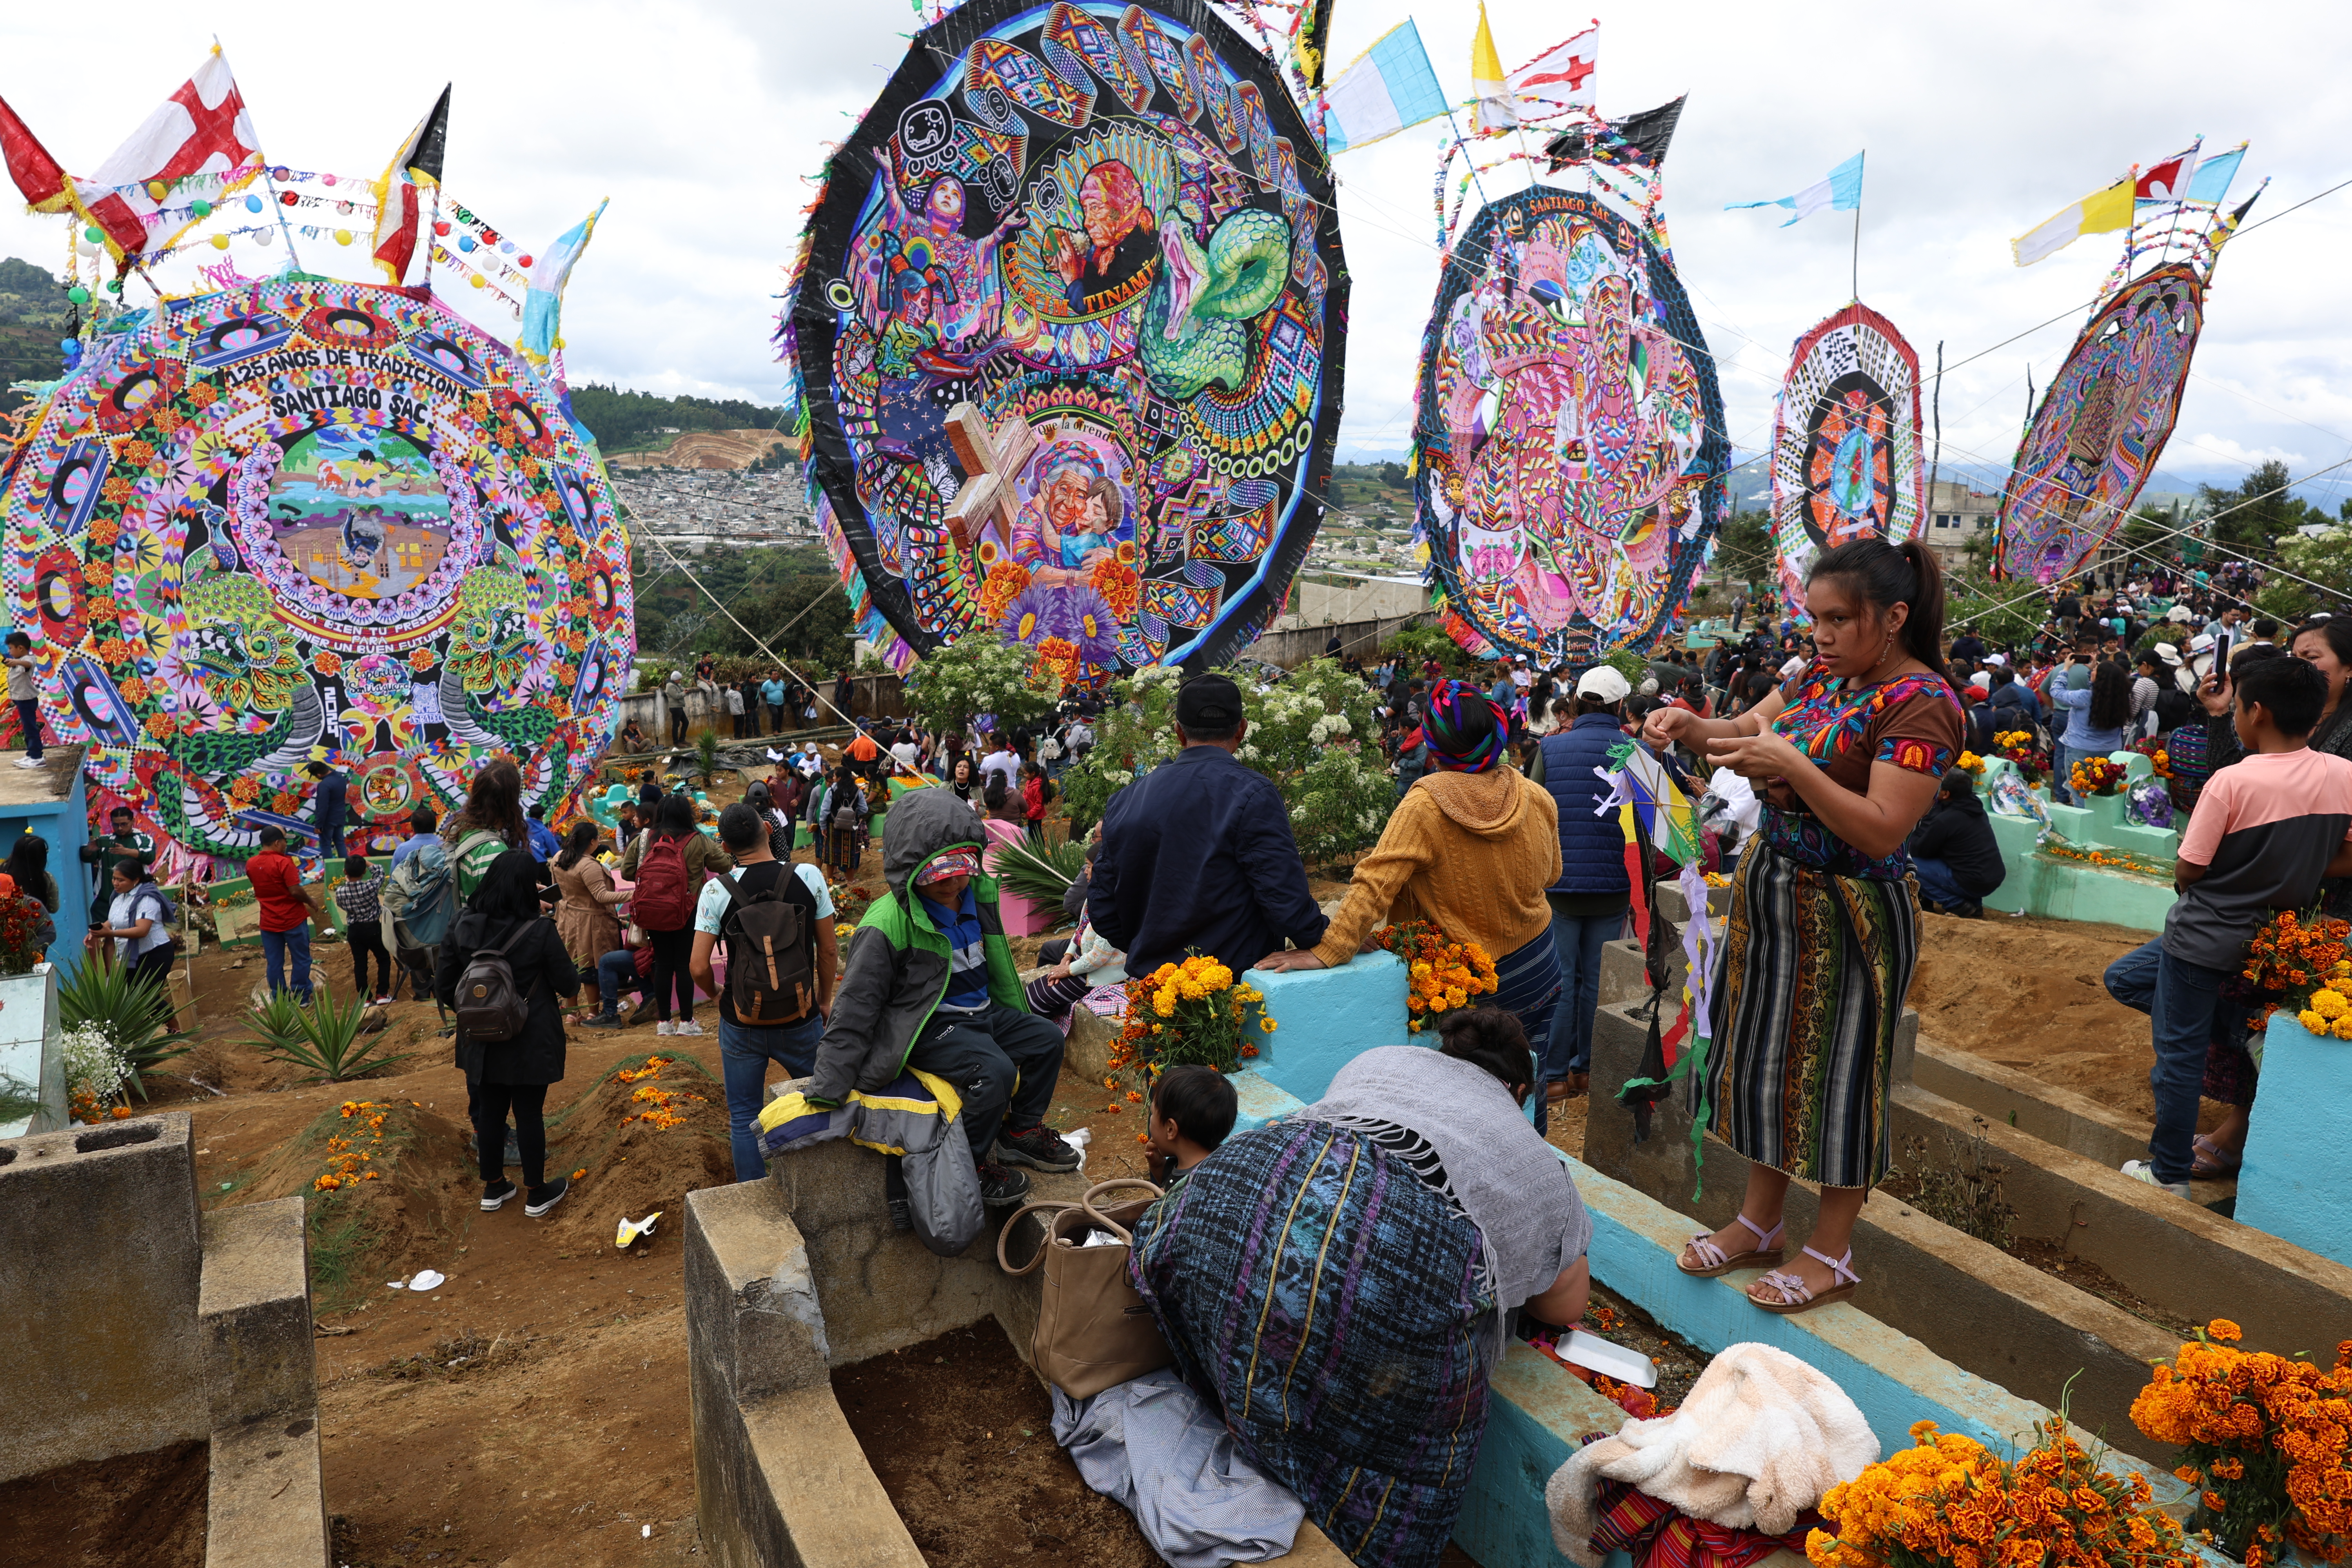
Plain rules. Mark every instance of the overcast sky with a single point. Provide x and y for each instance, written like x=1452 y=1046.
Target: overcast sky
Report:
x=702 y=122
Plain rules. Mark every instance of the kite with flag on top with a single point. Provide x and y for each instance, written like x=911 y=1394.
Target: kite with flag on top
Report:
x=1390 y=86
x=1841 y=192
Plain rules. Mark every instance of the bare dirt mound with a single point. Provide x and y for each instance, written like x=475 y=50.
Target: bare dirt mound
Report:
x=706 y=449
x=988 y=1485
x=401 y=1189
x=650 y=1130
x=2027 y=993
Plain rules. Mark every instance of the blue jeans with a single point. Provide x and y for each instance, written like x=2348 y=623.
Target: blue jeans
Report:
x=1578 y=940
x=274 y=947
x=28 y=715
x=1936 y=881
x=2183 y=1001
x=744 y=1054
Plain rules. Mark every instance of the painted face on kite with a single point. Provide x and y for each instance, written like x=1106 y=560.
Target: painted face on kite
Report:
x=1570 y=432
x=1096 y=416
x=313 y=519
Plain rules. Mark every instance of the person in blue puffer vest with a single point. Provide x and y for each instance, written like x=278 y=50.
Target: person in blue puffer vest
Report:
x=1589 y=900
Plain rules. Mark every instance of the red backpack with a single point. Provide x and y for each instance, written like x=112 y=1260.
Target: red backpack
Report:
x=661 y=901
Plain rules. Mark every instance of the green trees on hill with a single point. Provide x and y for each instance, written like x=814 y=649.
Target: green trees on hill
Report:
x=625 y=421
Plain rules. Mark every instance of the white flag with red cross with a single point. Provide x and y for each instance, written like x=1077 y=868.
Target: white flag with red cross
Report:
x=203 y=129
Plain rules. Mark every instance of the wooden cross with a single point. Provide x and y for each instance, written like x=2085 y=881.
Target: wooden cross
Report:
x=991 y=461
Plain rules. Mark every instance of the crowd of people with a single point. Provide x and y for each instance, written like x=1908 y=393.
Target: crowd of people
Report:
x=1844 y=746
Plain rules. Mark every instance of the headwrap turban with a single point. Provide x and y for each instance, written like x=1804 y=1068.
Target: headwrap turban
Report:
x=1465 y=727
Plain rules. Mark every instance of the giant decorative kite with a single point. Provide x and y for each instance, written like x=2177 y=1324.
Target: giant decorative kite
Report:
x=1570 y=433
x=1067 y=330
x=304 y=519
x=1845 y=443
x=2103 y=422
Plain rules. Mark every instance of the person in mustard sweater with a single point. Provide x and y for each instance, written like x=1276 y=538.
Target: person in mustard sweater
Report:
x=1470 y=849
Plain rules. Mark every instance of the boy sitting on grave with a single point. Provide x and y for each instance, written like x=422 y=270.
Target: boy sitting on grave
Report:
x=929 y=984
x=2265 y=830
x=1193 y=1109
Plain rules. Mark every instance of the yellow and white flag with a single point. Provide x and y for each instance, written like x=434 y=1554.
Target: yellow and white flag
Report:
x=1498 y=107
x=2102 y=212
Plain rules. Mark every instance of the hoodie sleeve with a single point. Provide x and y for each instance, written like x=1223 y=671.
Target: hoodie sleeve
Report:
x=867 y=978
x=1404 y=850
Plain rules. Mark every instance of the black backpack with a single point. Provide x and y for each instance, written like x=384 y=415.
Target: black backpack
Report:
x=490 y=1006
x=771 y=957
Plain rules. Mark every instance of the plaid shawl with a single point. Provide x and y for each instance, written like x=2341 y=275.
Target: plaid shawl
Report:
x=1329 y=1303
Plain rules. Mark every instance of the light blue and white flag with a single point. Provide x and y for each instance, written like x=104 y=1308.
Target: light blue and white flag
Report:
x=542 y=305
x=1842 y=191
x=2212 y=181
x=1390 y=86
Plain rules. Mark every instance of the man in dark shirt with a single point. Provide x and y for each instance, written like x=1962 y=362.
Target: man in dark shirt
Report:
x=1197 y=854
x=328 y=804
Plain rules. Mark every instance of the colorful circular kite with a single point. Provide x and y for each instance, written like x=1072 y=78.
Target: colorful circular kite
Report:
x=309 y=518
x=1570 y=432
x=1066 y=327
x=2101 y=427
x=1845 y=443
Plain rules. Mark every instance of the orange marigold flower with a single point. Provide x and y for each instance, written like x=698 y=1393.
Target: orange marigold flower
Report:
x=2222 y=1328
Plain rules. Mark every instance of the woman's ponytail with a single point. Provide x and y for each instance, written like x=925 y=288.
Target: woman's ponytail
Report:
x=1923 y=629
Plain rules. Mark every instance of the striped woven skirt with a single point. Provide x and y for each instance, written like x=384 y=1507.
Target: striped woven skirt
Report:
x=1809 y=988
x=1527 y=985
x=1329 y=1304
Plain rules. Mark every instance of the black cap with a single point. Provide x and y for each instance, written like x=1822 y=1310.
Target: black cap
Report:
x=1208 y=702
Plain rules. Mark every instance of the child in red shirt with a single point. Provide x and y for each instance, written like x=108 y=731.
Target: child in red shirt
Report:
x=286 y=909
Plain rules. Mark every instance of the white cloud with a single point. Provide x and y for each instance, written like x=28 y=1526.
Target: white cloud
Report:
x=704 y=121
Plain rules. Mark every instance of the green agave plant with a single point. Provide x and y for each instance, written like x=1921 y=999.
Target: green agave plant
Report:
x=1038 y=872
x=131 y=1012
x=325 y=1039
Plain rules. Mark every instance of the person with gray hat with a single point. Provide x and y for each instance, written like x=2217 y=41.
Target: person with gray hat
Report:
x=1197 y=854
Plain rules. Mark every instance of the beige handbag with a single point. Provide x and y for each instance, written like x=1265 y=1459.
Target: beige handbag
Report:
x=1093 y=1329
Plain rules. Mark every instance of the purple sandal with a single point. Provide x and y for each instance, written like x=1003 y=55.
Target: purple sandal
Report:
x=1796 y=1296
x=1714 y=1261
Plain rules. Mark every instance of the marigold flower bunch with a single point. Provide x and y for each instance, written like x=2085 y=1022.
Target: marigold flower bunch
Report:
x=2266 y=1439
x=662 y=1106
x=1440 y=975
x=2017 y=745
x=349 y=1155
x=1947 y=1502
x=1970 y=762
x=2294 y=959
x=2096 y=775
x=1189 y=1012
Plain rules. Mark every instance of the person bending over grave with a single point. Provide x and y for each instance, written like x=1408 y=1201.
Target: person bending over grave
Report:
x=1824 y=931
x=929 y=984
x=2265 y=831
x=1419 y=1169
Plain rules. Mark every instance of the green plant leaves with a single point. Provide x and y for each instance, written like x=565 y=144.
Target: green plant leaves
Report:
x=324 y=1038
x=129 y=1011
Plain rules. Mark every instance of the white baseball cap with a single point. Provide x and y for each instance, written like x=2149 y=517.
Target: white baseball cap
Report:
x=1604 y=683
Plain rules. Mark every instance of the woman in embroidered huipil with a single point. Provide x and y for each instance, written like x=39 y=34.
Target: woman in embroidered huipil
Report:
x=1824 y=929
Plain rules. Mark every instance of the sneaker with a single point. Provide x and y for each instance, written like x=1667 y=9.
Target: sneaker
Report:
x=2141 y=1170
x=543 y=1199
x=1038 y=1148
x=496 y=1193
x=643 y=1013
x=602 y=1021
x=30 y=762
x=689 y=1027
x=1001 y=1188
x=902 y=1215
x=384 y=1000
x=665 y=1028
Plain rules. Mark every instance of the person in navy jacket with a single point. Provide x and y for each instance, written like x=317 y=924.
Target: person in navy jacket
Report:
x=1589 y=900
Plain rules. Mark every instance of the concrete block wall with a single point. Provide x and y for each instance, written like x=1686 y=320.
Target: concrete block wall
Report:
x=1326 y=1017
x=98 y=1285
x=2288 y=1187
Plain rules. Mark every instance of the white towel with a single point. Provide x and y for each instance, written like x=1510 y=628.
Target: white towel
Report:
x=1758 y=1441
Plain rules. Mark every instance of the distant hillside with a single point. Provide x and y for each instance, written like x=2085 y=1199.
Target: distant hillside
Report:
x=34 y=317
x=633 y=421
x=763 y=448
